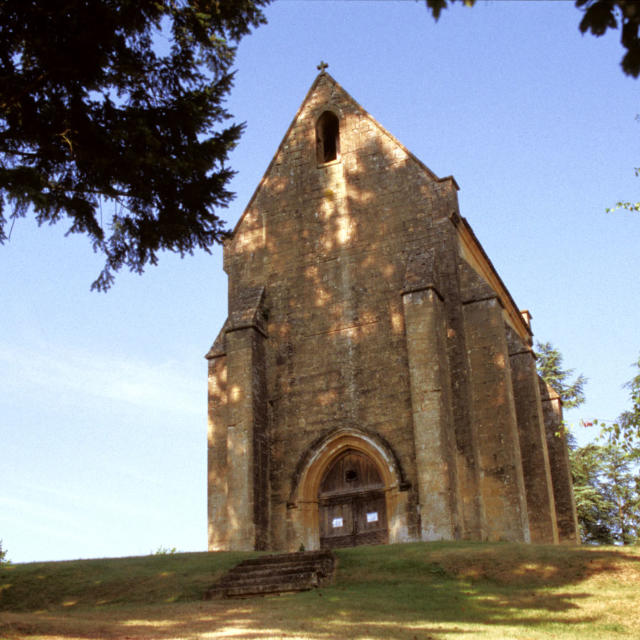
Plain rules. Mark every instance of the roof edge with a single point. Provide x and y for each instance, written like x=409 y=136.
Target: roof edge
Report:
x=514 y=312
x=284 y=137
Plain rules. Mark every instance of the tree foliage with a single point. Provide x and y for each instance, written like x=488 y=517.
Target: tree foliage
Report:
x=606 y=486
x=598 y=16
x=3 y=555
x=549 y=364
x=606 y=478
x=606 y=474
x=120 y=102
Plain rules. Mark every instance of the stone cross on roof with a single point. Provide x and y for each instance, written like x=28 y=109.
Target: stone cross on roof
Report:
x=322 y=66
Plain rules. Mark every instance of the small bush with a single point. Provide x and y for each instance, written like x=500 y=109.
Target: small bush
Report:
x=165 y=551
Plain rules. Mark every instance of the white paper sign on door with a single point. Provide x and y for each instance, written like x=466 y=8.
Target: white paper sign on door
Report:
x=336 y=523
x=372 y=517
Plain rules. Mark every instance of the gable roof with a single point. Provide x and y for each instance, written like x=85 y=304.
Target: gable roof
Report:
x=323 y=76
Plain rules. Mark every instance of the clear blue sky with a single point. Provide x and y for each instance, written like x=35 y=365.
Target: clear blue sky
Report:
x=103 y=397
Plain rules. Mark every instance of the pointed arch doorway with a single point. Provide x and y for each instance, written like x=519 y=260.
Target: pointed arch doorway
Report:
x=352 y=503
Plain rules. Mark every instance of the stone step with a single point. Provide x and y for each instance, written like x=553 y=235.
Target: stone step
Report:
x=283 y=567
x=278 y=573
x=297 y=576
x=258 y=590
x=280 y=558
x=269 y=573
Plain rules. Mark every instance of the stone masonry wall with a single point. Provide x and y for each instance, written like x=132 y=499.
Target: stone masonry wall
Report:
x=350 y=307
x=329 y=243
x=533 y=444
x=559 y=465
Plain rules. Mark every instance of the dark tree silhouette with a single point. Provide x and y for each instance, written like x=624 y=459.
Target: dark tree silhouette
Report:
x=120 y=102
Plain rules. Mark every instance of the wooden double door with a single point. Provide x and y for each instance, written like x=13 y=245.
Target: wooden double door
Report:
x=352 y=503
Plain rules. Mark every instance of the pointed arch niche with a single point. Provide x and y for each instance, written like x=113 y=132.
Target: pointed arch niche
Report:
x=304 y=509
x=327 y=137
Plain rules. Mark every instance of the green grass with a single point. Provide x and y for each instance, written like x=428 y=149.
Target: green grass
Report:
x=111 y=581
x=413 y=591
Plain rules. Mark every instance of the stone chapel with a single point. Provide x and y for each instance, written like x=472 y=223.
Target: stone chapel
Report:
x=374 y=381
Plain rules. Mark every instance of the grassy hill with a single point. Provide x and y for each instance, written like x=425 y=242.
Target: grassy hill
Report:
x=414 y=591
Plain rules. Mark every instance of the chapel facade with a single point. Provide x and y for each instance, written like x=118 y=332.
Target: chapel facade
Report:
x=374 y=381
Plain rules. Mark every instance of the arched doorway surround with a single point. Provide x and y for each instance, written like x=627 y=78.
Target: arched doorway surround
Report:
x=323 y=459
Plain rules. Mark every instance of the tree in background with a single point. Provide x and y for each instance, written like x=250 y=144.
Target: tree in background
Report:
x=3 y=555
x=549 y=365
x=606 y=482
x=606 y=486
x=606 y=473
x=606 y=477
x=598 y=16
x=120 y=102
